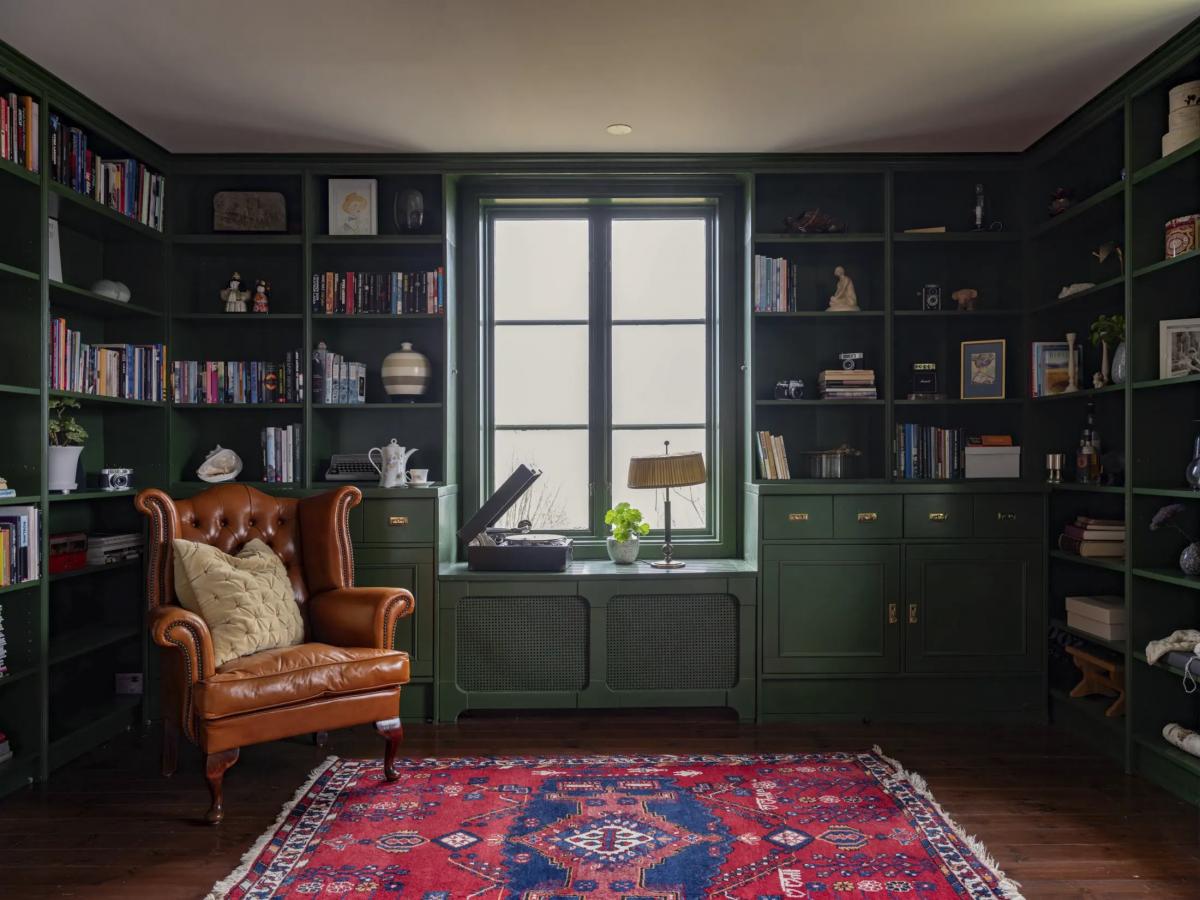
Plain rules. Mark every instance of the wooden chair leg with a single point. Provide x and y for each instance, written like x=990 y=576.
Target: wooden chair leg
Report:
x=393 y=733
x=320 y=738
x=215 y=766
x=170 y=748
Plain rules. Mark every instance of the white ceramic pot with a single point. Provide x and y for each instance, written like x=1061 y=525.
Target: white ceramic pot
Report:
x=624 y=553
x=405 y=373
x=64 y=463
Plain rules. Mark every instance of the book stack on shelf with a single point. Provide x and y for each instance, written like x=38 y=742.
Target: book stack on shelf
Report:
x=772 y=456
x=379 y=293
x=5 y=749
x=929 y=452
x=124 y=185
x=774 y=284
x=216 y=382
x=19 y=131
x=20 y=540
x=1097 y=538
x=129 y=371
x=336 y=380
x=847 y=384
x=282 y=454
x=3 y=646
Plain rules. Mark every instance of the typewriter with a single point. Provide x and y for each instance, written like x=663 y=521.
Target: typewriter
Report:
x=520 y=549
x=351 y=467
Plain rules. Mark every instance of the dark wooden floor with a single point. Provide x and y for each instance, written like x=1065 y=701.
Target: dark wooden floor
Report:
x=1057 y=817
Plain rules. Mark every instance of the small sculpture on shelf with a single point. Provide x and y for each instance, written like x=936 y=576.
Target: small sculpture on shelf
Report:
x=233 y=296
x=408 y=210
x=1072 y=374
x=221 y=464
x=1109 y=249
x=965 y=298
x=812 y=221
x=1060 y=201
x=844 y=298
x=262 y=296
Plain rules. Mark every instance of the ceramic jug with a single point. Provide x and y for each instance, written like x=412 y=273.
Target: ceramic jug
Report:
x=393 y=461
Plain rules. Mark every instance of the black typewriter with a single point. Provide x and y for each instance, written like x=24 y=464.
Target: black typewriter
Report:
x=520 y=549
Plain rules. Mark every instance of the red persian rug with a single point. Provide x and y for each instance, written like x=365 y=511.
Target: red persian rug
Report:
x=811 y=825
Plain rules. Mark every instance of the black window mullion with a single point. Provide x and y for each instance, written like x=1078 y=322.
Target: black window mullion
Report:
x=600 y=405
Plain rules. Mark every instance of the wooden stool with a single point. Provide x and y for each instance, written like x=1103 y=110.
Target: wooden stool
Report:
x=1100 y=676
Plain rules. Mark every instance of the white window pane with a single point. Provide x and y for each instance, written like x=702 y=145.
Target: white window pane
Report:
x=557 y=500
x=541 y=375
x=540 y=268
x=659 y=269
x=688 y=505
x=658 y=374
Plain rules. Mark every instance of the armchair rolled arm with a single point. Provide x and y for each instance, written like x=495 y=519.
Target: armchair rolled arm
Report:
x=173 y=626
x=359 y=617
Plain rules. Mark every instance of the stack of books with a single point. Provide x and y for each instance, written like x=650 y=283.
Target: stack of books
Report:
x=772 y=456
x=216 y=381
x=336 y=379
x=379 y=293
x=926 y=451
x=847 y=384
x=3 y=647
x=774 y=284
x=281 y=450
x=19 y=544
x=5 y=748
x=129 y=371
x=19 y=131
x=1104 y=538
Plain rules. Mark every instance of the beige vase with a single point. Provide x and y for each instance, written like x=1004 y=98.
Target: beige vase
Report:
x=405 y=373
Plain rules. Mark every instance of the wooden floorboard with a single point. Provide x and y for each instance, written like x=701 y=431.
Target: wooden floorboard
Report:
x=1057 y=816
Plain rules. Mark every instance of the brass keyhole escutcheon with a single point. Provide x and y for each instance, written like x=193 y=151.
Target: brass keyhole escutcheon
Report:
x=797 y=517
x=397 y=520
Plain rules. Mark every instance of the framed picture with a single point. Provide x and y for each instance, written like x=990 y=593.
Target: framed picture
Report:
x=1052 y=367
x=1178 y=347
x=982 y=369
x=353 y=206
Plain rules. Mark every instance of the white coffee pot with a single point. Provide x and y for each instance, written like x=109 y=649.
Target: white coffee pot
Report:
x=393 y=461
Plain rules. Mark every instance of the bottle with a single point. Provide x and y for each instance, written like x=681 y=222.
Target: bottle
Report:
x=1192 y=473
x=1083 y=460
x=979 y=207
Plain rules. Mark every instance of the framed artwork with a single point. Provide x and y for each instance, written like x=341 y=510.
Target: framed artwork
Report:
x=1051 y=367
x=982 y=369
x=353 y=206
x=1178 y=347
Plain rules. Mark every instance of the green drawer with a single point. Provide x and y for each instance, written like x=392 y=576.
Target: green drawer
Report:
x=399 y=521
x=866 y=517
x=1008 y=516
x=797 y=518
x=945 y=516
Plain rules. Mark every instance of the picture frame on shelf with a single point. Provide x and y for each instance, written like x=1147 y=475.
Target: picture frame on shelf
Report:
x=1051 y=367
x=1178 y=348
x=982 y=369
x=353 y=206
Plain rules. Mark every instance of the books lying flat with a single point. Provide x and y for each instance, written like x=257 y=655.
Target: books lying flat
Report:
x=1082 y=533
x=1093 y=549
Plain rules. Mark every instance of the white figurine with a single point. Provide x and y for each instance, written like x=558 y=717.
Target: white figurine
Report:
x=844 y=298
x=233 y=296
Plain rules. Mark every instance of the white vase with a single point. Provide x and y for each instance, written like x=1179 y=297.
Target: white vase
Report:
x=623 y=553
x=64 y=463
x=1120 y=364
x=405 y=373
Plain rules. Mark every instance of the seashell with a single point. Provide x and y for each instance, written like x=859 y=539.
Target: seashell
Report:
x=220 y=465
x=113 y=290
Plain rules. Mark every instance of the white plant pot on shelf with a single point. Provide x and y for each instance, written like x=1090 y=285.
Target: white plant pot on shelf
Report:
x=64 y=463
x=624 y=553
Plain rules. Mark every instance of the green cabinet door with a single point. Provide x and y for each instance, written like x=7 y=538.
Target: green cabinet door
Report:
x=973 y=608
x=830 y=609
x=413 y=571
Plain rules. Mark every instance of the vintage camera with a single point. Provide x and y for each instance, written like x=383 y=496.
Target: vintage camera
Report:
x=931 y=296
x=852 y=361
x=792 y=389
x=116 y=479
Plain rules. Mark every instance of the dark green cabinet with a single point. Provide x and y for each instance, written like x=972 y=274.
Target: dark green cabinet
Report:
x=831 y=609
x=972 y=607
x=413 y=571
x=940 y=516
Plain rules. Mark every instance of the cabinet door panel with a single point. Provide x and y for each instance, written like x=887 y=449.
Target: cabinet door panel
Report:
x=414 y=633
x=831 y=609
x=973 y=608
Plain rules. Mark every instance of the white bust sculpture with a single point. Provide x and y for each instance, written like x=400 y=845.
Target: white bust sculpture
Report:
x=844 y=299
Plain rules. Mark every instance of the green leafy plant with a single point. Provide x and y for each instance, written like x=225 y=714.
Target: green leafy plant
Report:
x=64 y=430
x=626 y=522
x=1109 y=330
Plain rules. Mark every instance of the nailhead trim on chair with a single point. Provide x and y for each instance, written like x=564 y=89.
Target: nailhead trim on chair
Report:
x=345 y=504
x=189 y=727
x=158 y=557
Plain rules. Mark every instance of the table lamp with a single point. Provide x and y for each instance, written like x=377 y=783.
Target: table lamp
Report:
x=667 y=471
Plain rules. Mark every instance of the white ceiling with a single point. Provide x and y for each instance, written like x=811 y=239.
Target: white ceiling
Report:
x=549 y=75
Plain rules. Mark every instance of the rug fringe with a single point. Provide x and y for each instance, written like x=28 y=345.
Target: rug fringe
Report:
x=227 y=884
x=1009 y=889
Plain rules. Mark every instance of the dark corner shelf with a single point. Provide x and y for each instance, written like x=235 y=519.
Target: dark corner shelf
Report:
x=365 y=318
x=21 y=500
x=1182 y=493
x=1111 y=564
x=240 y=317
x=88 y=640
x=966 y=237
x=1159 y=747
x=1097 y=288
x=96 y=569
x=1161 y=165
x=956 y=313
x=1074 y=487
x=16 y=676
x=1092 y=708
x=21 y=585
x=1165 y=382
x=90 y=725
x=1161 y=666
x=376 y=239
x=111 y=401
x=1115 y=646
x=239 y=239
x=1167 y=263
x=82 y=496
x=266 y=486
x=1168 y=575
x=238 y=406
x=77 y=299
x=849 y=237
x=1078 y=209
x=819 y=402
x=818 y=314
x=1081 y=393
x=21 y=390
x=959 y=401
x=384 y=405
x=17 y=272
x=11 y=168
x=101 y=213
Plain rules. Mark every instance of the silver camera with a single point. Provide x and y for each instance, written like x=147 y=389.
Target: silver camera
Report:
x=116 y=479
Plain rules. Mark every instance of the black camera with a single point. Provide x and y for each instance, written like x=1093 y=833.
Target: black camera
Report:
x=116 y=479
x=792 y=389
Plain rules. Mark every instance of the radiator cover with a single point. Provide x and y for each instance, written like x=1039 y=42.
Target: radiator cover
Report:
x=522 y=644
x=672 y=642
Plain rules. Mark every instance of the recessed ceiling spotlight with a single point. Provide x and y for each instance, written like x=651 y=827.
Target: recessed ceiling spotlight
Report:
x=619 y=128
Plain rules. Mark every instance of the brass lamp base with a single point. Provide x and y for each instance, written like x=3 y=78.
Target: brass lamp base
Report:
x=668 y=564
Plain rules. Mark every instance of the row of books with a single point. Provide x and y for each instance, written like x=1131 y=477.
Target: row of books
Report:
x=282 y=454
x=772 y=456
x=336 y=379
x=1088 y=536
x=19 y=131
x=5 y=747
x=124 y=185
x=3 y=654
x=775 y=281
x=927 y=451
x=214 y=382
x=379 y=293
x=129 y=371
x=1050 y=367
x=20 y=538
x=847 y=384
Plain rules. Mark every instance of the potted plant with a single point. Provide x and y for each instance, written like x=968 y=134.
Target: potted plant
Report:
x=1109 y=331
x=66 y=443
x=627 y=527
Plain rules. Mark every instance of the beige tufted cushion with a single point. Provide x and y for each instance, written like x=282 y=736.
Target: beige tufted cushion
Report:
x=246 y=600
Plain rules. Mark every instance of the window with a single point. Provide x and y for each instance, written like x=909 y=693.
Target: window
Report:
x=598 y=343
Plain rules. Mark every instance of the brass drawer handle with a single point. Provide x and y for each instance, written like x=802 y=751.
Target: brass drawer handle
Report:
x=893 y=614
x=912 y=614
x=868 y=517
x=397 y=520
x=937 y=517
x=1006 y=517
x=797 y=517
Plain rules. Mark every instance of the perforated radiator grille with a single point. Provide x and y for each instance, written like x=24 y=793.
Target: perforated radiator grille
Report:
x=671 y=642
x=522 y=644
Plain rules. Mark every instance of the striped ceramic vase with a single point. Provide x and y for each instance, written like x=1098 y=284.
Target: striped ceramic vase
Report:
x=405 y=373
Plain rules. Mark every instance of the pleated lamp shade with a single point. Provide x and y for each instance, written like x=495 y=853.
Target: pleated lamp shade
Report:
x=670 y=470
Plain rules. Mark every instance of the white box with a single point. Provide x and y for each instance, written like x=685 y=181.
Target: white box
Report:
x=993 y=462
x=1109 y=631
x=1107 y=609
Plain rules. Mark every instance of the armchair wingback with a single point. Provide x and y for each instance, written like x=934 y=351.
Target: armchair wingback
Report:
x=346 y=673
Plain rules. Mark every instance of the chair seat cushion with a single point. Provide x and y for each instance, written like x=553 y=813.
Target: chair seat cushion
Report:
x=291 y=675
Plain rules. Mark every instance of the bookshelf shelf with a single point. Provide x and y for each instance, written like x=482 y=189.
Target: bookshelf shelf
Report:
x=1098 y=288
x=377 y=240
x=395 y=407
x=238 y=406
x=819 y=402
x=1165 y=382
x=76 y=299
x=8 y=271
x=957 y=401
x=20 y=389
x=94 y=570
x=369 y=318
x=110 y=401
x=1161 y=265
x=1168 y=576
x=1160 y=666
x=1073 y=487
x=240 y=318
x=1083 y=393
x=1075 y=211
x=10 y=168
x=235 y=240
x=85 y=728
x=964 y=315
x=1179 y=493
x=956 y=237
x=16 y=676
x=1117 y=565
x=1159 y=166
x=1160 y=748
x=1115 y=646
x=821 y=314
x=87 y=215
x=21 y=586
x=87 y=640
x=1093 y=708
x=84 y=496
x=837 y=238
x=22 y=500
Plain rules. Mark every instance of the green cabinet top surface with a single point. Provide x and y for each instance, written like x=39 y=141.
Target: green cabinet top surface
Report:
x=595 y=568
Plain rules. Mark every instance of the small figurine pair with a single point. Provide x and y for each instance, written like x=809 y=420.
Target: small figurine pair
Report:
x=235 y=298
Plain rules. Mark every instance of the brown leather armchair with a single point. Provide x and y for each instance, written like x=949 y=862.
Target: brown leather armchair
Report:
x=347 y=674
